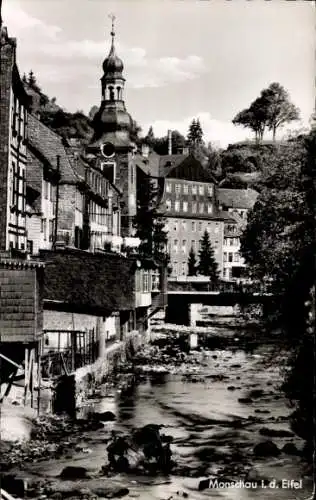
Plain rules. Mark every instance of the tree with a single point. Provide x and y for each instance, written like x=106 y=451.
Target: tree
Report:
x=32 y=83
x=195 y=134
x=279 y=108
x=150 y=137
x=160 y=144
x=135 y=132
x=93 y=111
x=150 y=224
x=254 y=118
x=192 y=263
x=278 y=245
x=270 y=110
x=207 y=264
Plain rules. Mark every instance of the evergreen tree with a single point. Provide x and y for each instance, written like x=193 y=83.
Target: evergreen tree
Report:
x=207 y=264
x=24 y=79
x=32 y=83
x=192 y=263
x=195 y=133
x=150 y=137
x=149 y=224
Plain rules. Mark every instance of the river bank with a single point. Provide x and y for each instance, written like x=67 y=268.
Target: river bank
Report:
x=222 y=408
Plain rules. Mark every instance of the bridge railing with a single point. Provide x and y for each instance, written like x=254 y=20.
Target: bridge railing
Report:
x=220 y=287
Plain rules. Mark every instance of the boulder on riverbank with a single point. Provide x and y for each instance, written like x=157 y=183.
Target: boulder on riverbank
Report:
x=144 y=450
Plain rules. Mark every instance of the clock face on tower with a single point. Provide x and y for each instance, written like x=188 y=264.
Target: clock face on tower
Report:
x=107 y=150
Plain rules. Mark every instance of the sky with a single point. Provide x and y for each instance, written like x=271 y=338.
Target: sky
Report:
x=183 y=59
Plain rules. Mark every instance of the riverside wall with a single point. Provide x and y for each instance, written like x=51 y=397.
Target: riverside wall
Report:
x=72 y=390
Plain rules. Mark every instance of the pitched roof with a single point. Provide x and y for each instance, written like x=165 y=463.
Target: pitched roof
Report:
x=49 y=145
x=149 y=165
x=167 y=163
x=237 y=198
x=178 y=166
x=89 y=281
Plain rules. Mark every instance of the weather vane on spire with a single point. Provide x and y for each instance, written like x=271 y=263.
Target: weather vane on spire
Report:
x=112 y=17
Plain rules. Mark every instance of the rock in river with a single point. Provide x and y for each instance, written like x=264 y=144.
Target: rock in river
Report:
x=290 y=449
x=245 y=401
x=72 y=472
x=105 y=416
x=266 y=449
x=275 y=432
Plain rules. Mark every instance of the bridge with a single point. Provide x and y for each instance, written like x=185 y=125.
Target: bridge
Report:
x=184 y=296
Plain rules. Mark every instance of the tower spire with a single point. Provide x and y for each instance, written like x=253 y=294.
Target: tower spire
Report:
x=112 y=17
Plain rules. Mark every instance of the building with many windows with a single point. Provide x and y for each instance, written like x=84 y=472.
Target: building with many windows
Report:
x=70 y=202
x=188 y=202
x=13 y=122
x=237 y=203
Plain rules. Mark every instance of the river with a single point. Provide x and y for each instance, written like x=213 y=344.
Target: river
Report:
x=214 y=429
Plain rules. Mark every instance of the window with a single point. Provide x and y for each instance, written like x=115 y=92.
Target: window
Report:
x=194 y=189
x=185 y=206
x=185 y=189
x=184 y=246
x=145 y=287
x=111 y=89
x=132 y=174
x=44 y=228
x=54 y=199
x=210 y=190
x=168 y=204
x=216 y=243
x=51 y=230
x=168 y=187
x=209 y=208
x=194 y=206
x=201 y=208
x=225 y=242
x=175 y=225
x=183 y=265
x=178 y=188
x=184 y=225
x=230 y=256
x=193 y=245
x=236 y=257
x=45 y=190
x=193 y=226
x=177 y=206
x=200 y=226
x=225 y=256
x=175 y=267
x=231 y=242
x=201 y=189
x=175 y=245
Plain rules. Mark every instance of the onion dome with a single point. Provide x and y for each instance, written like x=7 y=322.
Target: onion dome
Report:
x=113 y=65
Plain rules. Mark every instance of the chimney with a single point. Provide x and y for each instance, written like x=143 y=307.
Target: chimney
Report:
x=145 y=150
x=169 y=142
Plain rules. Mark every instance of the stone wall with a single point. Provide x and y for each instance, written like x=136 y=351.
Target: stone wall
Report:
x=88 y=377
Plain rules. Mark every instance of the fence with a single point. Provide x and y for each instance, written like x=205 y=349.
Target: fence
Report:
x=67 y=350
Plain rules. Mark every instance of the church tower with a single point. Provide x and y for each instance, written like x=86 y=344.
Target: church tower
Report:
x=111 y=143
